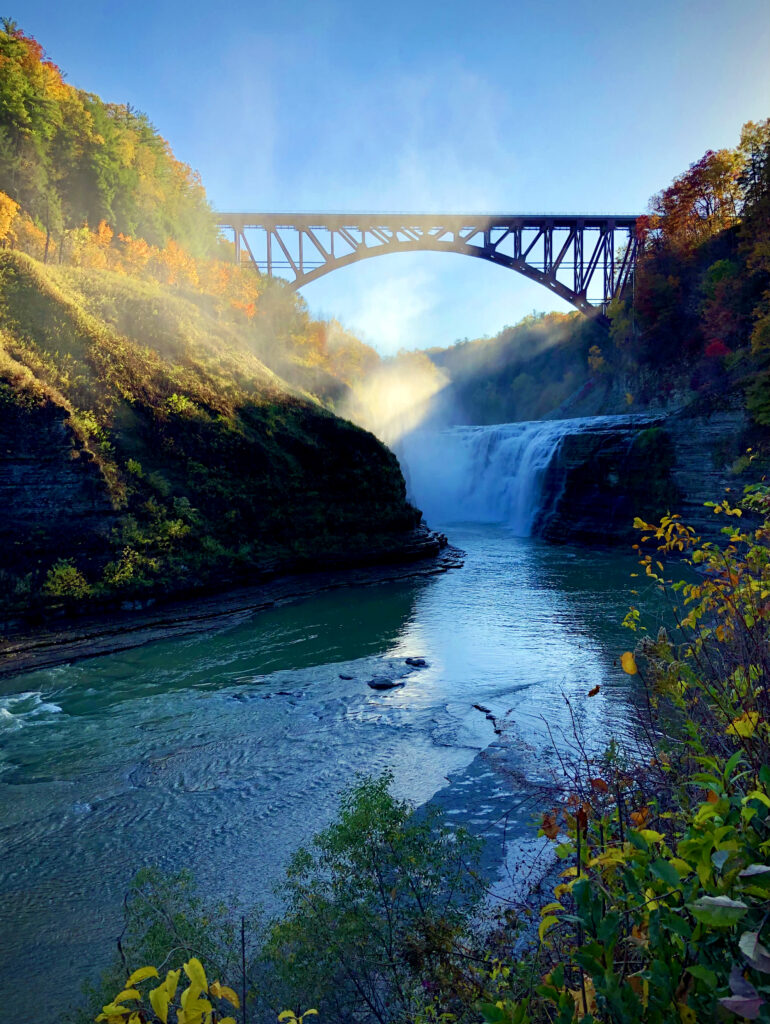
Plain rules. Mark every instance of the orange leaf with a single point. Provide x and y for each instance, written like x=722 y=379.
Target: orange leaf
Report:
x=549 y=825
x=594 y=691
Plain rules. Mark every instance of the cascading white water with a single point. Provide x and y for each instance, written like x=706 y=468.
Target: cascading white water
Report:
x=491 y=474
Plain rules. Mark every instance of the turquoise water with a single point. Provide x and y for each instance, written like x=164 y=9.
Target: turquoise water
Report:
x=225 y=751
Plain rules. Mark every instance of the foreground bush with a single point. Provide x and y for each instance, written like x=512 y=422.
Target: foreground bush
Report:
x=662 y=911
x=190 y=1005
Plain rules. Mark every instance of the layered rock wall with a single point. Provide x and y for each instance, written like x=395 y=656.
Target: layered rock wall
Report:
x=54 y=501
x=602 y=477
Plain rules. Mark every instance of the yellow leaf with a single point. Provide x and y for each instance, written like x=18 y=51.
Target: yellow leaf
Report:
x=141 y=975
x=129 y=993
x=194 y=1010
x=111 y=1011
x=744 y=726
x=309 y=1013
x=651 y=835
x=171 y=983
x=550 y=907
x=686 y=1013
x=682 y=867
x=610 y=858
x=590 y=1004
x=628 y=663
x=545 y=925
x=223 y=992
x=652 y=903
x=159 y=1002
x=194 y=971
x=287 y=1015
x=757 y=794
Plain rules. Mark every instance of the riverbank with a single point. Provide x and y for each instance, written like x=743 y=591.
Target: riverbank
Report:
x=27 y=649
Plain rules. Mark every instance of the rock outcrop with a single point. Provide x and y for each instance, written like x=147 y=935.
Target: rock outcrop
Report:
x=602 y=476
x=54 y=499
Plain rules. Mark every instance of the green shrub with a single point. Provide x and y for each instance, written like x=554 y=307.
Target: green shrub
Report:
x=65 y=580
x=180 y=404
x=377 y=910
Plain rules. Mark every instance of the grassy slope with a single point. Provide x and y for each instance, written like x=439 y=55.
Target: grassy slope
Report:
x=214 y=465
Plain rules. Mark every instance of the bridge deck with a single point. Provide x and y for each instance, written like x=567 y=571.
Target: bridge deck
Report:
x=451 y=221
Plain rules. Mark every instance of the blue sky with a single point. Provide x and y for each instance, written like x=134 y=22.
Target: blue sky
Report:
x=514 y=106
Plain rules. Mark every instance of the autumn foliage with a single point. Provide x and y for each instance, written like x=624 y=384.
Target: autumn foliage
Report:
x=697 y=318
x=69 y=159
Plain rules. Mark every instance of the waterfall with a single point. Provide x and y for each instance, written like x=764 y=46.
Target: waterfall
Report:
x=490 y=474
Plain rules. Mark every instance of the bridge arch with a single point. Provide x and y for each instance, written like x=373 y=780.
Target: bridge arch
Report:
x=585 y=260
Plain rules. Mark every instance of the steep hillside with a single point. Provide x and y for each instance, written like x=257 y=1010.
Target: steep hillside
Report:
x=146 y=448
x=523 y=373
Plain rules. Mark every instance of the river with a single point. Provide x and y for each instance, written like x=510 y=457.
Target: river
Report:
x=225 y=751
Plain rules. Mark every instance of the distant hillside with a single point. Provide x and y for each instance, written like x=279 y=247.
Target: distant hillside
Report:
x=523 y=373
x=145 y=448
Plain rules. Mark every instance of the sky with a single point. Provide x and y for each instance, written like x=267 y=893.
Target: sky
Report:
x=424 y=106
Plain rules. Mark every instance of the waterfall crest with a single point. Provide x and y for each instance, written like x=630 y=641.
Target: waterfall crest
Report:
x=490 y=474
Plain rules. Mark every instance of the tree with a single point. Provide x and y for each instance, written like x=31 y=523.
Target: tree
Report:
x=375 y=909
x=699 y=203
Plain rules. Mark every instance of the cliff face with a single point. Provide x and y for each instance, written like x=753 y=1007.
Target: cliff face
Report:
x=54 y=499
x=604 y=476
x=705 y=447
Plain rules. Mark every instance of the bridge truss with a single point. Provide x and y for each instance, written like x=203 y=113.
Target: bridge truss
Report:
x=586 y=260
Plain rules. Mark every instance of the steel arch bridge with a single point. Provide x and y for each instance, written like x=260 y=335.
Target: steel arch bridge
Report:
x=585 y=259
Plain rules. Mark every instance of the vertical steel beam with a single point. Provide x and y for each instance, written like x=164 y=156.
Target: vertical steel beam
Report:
x=547 y=247
x=609 y=263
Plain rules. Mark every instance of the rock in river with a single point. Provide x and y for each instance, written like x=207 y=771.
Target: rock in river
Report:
x=384 y=683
